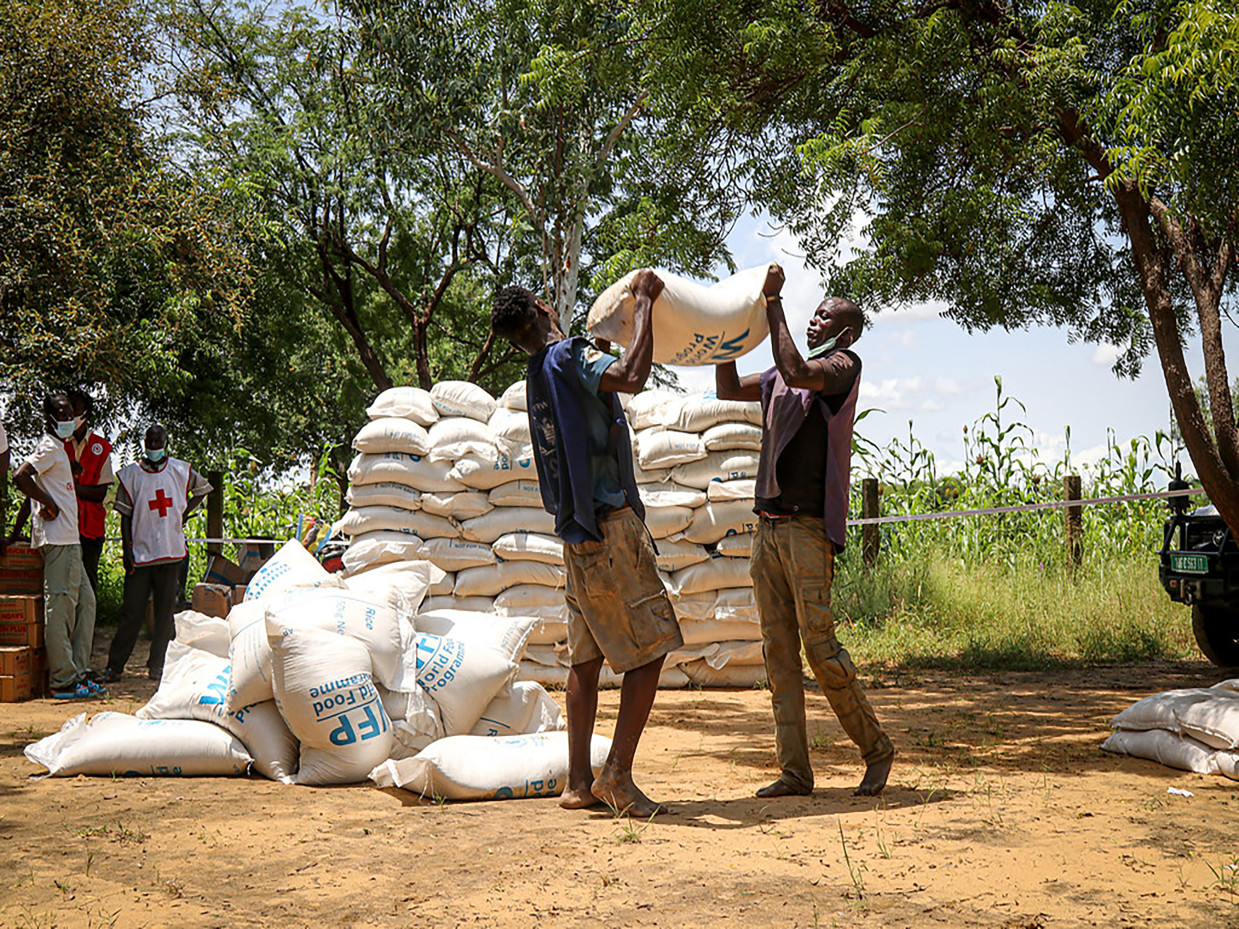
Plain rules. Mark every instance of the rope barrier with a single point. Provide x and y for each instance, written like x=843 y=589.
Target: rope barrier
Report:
x=1048 y=505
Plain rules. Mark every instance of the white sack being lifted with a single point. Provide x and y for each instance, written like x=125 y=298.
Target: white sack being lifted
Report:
x=471 y=767
x=693 y=324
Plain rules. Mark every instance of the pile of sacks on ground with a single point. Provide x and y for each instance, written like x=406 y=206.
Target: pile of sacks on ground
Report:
x=447 y=475
x=316 y=679
x=1195 y=729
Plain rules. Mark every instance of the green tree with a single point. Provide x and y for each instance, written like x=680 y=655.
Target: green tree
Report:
x=108 y=250
x=1070 y=163
x=550 y=99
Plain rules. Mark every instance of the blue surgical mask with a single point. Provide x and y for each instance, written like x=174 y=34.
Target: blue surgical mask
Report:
x=65 y=429
x=155 y=455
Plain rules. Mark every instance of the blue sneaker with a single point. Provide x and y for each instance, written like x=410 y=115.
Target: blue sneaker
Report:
x=79 y=691
x=96 y=690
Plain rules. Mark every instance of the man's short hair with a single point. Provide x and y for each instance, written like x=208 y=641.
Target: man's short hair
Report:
x=514 y=312
x=49 y=402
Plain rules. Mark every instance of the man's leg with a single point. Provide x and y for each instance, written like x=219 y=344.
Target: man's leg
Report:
x=780 y=633
x=92 y=550
x=83 y=636
x=59 y=613
x=614 y=785
x=133 y=614
x=163 y=590
x=812 y=557
x=582 y=701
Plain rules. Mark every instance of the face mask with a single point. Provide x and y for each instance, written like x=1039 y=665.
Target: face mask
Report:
x=823 y=348
x=77 y=422
x=156 y=455
x=65 y=429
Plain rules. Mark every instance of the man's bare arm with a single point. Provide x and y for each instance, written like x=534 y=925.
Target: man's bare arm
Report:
x=729 y=385
x=629 y=374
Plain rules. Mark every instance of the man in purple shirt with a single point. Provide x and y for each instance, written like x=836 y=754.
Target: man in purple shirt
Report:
x=808 y=409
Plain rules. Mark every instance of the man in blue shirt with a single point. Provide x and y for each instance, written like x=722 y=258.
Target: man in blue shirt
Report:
x=618 y=608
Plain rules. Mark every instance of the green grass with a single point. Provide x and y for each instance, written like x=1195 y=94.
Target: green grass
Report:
x=936 y=612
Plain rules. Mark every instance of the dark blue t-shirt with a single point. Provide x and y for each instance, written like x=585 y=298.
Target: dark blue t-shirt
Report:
x=591 y=364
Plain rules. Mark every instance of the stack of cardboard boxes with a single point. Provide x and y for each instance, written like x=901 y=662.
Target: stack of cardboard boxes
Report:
x=224 y=584
x=23 y=657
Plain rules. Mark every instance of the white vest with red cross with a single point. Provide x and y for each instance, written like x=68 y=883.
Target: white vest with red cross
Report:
x=159 y=500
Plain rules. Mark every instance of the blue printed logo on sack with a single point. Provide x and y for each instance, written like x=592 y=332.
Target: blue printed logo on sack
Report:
x=439 y=659
x=353 y=704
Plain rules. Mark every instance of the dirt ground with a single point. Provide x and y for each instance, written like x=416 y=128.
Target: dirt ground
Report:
x=1001 y=811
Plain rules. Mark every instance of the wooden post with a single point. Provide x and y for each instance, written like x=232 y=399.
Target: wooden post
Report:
x=869 y=534
x=1074 y=521
x=215 y=511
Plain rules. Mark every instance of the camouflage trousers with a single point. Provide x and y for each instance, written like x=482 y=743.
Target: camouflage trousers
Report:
x=793 y=566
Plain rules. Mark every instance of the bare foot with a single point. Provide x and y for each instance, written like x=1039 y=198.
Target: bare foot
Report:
x=623 y=796
x=575 y=798
x=781 y=788
x=875 y=778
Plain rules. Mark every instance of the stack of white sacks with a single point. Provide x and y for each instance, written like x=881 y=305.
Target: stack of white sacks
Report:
x=447 y=475
x=1194 y=729
x=316 y=679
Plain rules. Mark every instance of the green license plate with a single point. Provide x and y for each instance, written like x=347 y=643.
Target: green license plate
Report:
x=1190 y=564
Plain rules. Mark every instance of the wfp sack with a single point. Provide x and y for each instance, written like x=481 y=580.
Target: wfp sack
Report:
x=715 y=574
x=485 y=471
x=457 y=554
x=473 y=604
x=736 y=546
x=470 y=767
x=721 y=491
x=731 y=436
x=511 y=432
x=514 y=397
x=415 y=522
x=670 y=494
x=458 y=436
x=693 y=325
x=415 y=471
x=392 y=434
x=699 y=412
x=291 y=567
x=649 y=408
x=1174 y=751
x=1206 y=714
x=197 y=630
x=522 y=707
x=491 y=580
x=461 y=676
x=195 y=686
x=411 y=403
x=402 y=584
x=123 y=745
x=672 y=556
x=373 y=549
x=517 y=493
x=326 y=694
x=667 y=520
x=462 y=398
x=530 y=546
x=508 y=519
x=716 y=520
x=663 y=448
x=717 y=466
x=388 y=493
x=464 y=504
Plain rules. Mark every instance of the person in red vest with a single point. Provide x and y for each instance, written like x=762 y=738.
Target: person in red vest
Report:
x=154 y=496
x=4 y=487
x=90 y=456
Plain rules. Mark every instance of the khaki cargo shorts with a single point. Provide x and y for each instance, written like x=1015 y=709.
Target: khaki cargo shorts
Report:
x=617 y=605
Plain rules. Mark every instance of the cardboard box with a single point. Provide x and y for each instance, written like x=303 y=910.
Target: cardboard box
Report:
x=16 y=689
x=238 y=594
x=21 y=620
x=253 y=555
x=212 y=599
x=15 y=662
x=222 y=571
x=21 y=570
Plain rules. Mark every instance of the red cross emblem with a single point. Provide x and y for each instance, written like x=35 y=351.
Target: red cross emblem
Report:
x=162 y=503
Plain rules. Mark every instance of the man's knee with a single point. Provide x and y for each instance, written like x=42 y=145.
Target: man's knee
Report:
x=833 y=667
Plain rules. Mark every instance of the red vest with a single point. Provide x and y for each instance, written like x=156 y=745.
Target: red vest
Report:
x=91 y=516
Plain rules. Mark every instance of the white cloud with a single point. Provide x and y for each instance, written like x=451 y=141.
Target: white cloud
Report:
x=948 y=387
x=1105 y=355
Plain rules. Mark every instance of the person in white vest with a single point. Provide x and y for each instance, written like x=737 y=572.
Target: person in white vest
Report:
x=154 y=497
x=46 y=478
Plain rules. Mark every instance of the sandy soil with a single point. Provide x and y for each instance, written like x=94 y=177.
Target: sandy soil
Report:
x=1001 y=812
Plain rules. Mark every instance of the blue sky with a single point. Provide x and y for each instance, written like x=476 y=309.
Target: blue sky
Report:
x=925 y=369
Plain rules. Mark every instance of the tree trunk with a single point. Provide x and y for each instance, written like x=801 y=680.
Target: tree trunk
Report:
x=1152 y=267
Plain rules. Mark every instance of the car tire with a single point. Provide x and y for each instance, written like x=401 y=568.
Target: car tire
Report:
x=1217 y=633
